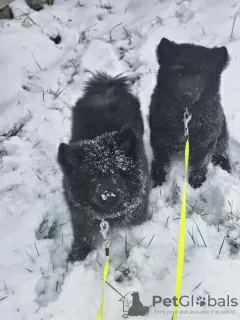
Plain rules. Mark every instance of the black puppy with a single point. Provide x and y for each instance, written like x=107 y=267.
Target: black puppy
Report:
x=189 y=76
x=105 y=167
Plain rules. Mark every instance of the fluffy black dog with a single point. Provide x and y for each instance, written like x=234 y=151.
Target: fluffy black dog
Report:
x=105 y=167
x=189 y=76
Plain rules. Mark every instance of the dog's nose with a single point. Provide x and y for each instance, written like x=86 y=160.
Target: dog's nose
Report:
x=188 y=95
x=109 y=198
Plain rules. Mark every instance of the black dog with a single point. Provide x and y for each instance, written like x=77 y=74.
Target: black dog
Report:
x=105 y=167
x=189 y=76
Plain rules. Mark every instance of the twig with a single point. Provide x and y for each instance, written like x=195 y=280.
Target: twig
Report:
x=38 y=309
x=114 y=289
x=140 y=242
x=110 y=32
x=37 y=63
x=36 y=174
x=200 y=233
x=175 y=240
x=1 y=299
x=151 y=240
x=32 y=84
x=192 y=237
x=32 y=76
x=174 y=251
x=36 y=144
x=221 y=247
x=36 y=249
x=55 y=108
x=119 y=266
x=31 y=258
x=166 y=225
x=234 y=20
x=197 y=286
x=201 y=195
x=58 y=92
x=57 y=287
x=126 y=248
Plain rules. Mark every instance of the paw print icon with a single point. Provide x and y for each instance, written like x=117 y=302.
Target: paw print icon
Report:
x=201 y=301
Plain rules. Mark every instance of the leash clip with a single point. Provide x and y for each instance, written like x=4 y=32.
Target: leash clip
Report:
x=186 y=118
x=104 y=229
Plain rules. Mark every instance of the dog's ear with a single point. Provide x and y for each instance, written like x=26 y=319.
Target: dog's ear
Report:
x=166 y=51
x=127 y=141
x=69 y=157
x=220 y=58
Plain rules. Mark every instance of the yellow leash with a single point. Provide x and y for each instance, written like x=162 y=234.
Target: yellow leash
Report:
x=181 y=242
x=104 y=230
x=180 y=262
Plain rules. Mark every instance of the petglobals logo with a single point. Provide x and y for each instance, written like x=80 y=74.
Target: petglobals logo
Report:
x=191 y=301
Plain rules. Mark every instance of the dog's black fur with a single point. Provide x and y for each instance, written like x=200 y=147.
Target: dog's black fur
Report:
x=189 y=76
x=104 y=165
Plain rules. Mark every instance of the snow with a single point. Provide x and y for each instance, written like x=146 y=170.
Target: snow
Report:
x=35 y=281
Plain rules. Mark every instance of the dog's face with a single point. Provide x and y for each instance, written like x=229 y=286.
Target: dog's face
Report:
x=185 y=83
x=101 y=173
x=188 y=71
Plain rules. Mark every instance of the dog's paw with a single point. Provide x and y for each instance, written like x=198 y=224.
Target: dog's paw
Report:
x=225 y=165
x=223 y=162
x=196 y=180
x=158 y=176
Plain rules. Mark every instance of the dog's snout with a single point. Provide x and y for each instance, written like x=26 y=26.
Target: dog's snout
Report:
x=188 y=95
x=109 y=198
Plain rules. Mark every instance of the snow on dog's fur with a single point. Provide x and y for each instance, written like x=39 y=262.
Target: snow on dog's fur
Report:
x=105 y=166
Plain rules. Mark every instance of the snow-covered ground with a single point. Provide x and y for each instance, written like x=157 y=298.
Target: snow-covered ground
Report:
x=40 y=81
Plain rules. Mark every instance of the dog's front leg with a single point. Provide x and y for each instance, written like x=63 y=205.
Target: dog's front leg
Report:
x=160 y=164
